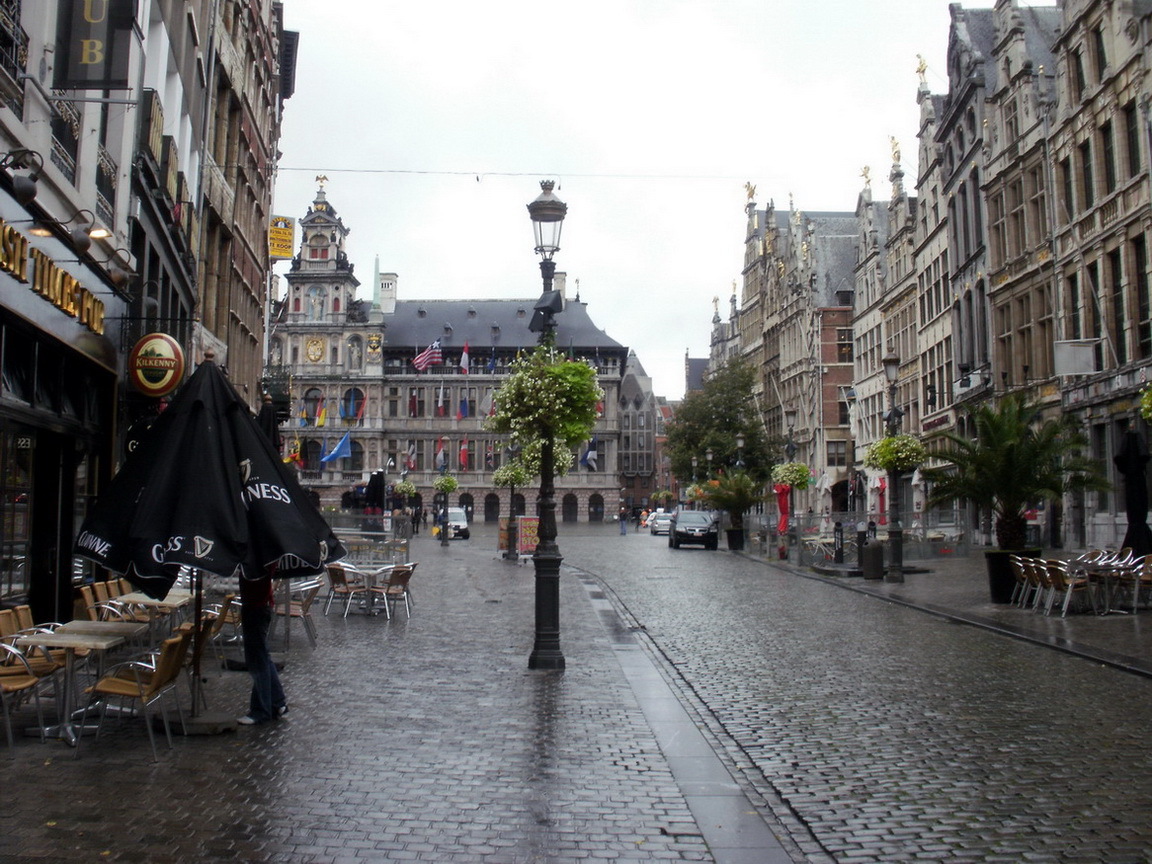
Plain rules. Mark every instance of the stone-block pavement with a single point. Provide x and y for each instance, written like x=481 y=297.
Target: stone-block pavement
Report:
x=429 y=740
x=957 y=588
x=407 y=740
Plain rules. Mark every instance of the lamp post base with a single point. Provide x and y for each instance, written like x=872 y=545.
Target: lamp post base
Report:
x=546 y=653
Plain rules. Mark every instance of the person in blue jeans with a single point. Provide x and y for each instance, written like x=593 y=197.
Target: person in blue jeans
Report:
x=623 y=521
x=267 y=701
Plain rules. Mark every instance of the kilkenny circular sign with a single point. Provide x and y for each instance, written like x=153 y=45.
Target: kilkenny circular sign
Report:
x=156 y=365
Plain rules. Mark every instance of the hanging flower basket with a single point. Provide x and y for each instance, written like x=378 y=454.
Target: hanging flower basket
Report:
x=896 y=453
x=794 y=474
x=404 y=487
x=445 y=483
x=511 y=474
x=547 y=396
x=1146 y=402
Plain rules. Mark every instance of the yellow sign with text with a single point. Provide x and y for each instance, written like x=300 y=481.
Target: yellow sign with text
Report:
x=281 y=230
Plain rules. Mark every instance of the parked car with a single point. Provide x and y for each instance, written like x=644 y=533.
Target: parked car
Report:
x=457 y=523
x=693 y=526
x=660 y=523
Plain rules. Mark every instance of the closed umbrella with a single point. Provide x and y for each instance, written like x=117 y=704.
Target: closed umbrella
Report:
x=205 y=489
x=1132 y=462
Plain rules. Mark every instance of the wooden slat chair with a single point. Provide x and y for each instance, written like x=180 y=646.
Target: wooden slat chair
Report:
x=145 y=684
x=395 y=589
x=1069 y=584
x=18 y=686
x=301 y=607
x=340 y=585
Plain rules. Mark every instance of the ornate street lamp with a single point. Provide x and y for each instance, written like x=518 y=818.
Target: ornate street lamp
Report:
x=547 y=213
x=740 y=452
x=891 y=364
x=708 y=457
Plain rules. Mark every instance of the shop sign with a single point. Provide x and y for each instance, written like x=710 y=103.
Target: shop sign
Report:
x=93 y=44
x=156 y=365
x=64 y=291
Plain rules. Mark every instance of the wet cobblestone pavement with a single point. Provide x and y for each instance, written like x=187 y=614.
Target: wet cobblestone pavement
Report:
x=894 y=735
x=861 y=728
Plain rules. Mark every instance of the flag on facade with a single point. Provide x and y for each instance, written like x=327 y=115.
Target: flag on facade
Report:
x=441 y=459
x=410 y=464
x=440 y=407
x=492 y=361
x=486 y=405
x=428 y=357
x=464 y=455
x=303 y=414
x=590 y=457
x=321 y=412
x=343 y=450
x=294 y=454
x=360 y=410
x=490 y=456
x=464 y=359
x=462 y=412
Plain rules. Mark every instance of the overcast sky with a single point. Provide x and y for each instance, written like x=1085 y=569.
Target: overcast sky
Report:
x=435 y=122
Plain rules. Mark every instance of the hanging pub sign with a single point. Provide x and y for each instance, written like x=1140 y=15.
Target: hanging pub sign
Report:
x=156 y=365
x=93 y=44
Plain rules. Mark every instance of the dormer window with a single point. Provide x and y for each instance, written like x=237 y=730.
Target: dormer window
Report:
x=421 y=312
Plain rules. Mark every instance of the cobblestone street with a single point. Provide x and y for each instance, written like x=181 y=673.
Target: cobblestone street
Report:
x=854 y=729
x=891 y=734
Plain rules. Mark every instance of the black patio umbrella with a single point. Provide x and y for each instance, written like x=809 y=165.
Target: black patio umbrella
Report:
x=1132 y=462
x=206 y=489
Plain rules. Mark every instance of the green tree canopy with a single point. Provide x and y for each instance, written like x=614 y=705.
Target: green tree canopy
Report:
x=711 y=418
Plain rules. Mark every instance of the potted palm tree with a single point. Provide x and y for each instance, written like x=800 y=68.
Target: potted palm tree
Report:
x=1014 y=461
x=736 y=493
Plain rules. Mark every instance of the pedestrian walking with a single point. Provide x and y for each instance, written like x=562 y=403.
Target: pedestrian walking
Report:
x=623 y=521
x=415 y=521
x=424 y=515
x=267 y=701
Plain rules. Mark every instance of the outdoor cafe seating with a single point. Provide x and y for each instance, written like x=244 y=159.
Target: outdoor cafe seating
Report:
x=1099 y=580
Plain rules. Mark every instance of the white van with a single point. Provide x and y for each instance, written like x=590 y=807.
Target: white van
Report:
x=457 y=523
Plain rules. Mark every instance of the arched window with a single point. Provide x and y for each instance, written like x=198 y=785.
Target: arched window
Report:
x=310 y=452
x=352 y=404
x=312 y=400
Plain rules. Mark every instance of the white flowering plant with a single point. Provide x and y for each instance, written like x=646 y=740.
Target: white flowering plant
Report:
x=511 y=474
x=547 y=396
x=445 y=483
x=404 y=487
x=794 y=474
x=896 y=453
x=1146 y=402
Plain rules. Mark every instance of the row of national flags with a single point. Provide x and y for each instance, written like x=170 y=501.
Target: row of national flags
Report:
x=343 y=450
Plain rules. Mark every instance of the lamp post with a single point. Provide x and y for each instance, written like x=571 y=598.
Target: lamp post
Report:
x=512 y=553
x=547 y=213
x=891 y=364
x=708 y=458
x=739 y=452
x=790 y=453
x=695 y=478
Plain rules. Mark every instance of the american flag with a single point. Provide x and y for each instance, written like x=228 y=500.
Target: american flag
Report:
x=429 y=356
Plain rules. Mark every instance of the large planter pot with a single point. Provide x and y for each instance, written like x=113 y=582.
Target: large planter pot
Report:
x=1001 y=579
x=735 y=539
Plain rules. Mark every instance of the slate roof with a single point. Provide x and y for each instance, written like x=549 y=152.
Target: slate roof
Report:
x=487 y=325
